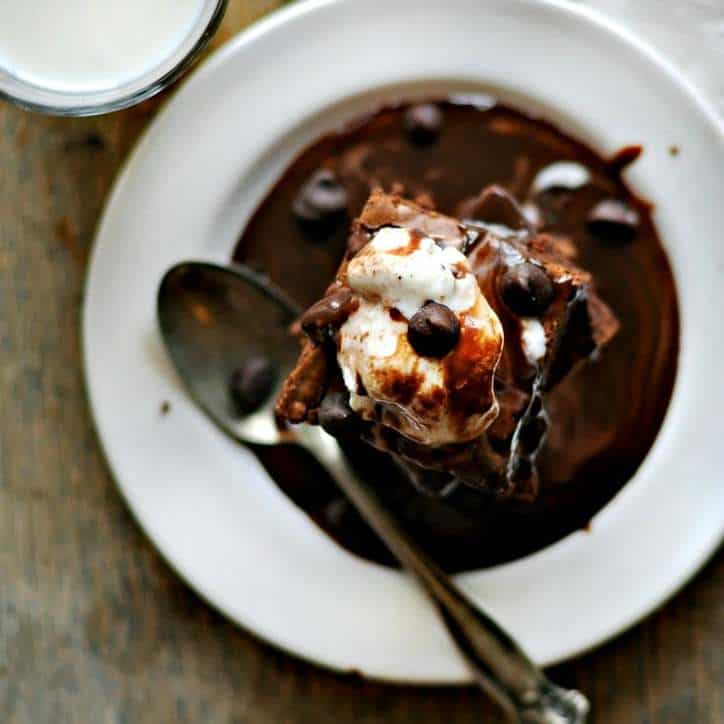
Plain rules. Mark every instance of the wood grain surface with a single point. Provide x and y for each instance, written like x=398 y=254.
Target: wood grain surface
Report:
x=94 y=626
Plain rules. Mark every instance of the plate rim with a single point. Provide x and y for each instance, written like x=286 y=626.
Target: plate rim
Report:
x=219 y=57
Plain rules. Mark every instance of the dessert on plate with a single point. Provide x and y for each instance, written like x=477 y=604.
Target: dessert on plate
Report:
x=491 y=329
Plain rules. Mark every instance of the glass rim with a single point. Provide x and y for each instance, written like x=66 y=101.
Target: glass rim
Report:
x=49 y=101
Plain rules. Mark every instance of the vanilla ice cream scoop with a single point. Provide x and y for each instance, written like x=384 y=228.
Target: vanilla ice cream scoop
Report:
x=433 y=398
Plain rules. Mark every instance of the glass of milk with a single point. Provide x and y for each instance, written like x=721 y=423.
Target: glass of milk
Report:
x=84 y=57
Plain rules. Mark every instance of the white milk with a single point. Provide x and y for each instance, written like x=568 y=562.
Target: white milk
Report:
x=90 y=45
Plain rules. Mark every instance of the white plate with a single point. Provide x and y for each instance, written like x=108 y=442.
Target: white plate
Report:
x=186 y=192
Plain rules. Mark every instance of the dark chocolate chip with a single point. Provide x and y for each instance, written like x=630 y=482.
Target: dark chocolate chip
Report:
x=613 y=220
x=326 y=316
x=251 y=384
x=336 y=416
x=321 y=203
x=561 y=176
x=423 y=123
x=434 y=330
x=526 y=290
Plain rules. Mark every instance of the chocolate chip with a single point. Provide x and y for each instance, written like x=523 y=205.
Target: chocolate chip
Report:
x=613 y=220
x=434 y=330
x=336 y=416
x=251 y=384
x=423 y=123
x=321 y=203
x=326 y=316
x=526 y=290
x=561 y=176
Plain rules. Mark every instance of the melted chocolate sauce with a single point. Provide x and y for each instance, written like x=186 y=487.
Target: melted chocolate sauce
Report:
x=603 y=418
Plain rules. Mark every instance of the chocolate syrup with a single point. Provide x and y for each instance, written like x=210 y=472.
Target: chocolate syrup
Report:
x=603 y=418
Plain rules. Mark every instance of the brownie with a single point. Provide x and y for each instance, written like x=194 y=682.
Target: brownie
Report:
x=531 y=281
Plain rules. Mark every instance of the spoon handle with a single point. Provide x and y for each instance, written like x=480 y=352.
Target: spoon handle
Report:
x=499 y=665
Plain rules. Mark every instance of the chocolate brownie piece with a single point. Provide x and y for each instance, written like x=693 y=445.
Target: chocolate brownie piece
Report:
x=552 y=317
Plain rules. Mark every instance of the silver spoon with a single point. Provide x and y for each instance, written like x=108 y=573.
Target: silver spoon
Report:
x=212 y=318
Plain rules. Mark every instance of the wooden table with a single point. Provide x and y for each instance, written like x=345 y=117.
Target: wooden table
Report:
x=94 y=626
